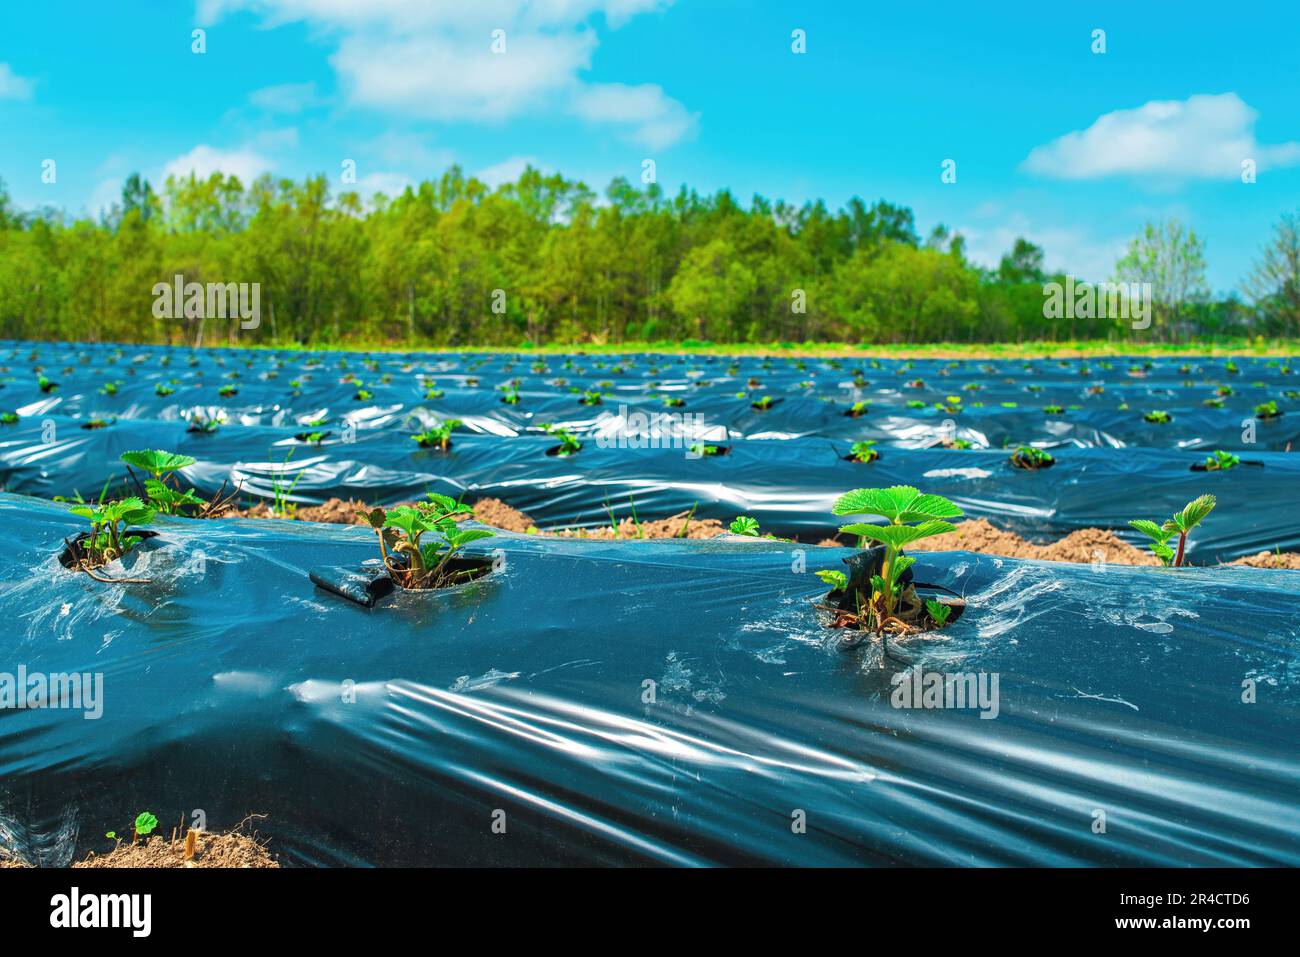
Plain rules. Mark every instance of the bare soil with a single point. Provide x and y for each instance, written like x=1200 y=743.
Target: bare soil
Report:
x=975 y=535
x=232 y=849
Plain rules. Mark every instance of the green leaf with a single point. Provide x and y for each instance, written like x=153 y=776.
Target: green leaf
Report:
x=900 y=503
x=938 y=611
x=145 y=822
x=1193 y=513
x=1151 y=529
x=896 y=536
x=465 y=536
x=837 y=580
x=744 y=525
x=156 y=461
x=409 y=520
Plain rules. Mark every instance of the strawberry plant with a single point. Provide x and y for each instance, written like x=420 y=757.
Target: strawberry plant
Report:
x=762 y=404
x=857 y=410
x=163 y=389
x=413 y=563
x=226 y=391
x=864 y=451
x=109 y=537
x=437 y=436
x=206 y=424
x=569 y=444
x=8 y=418
x=1028 y=457
x=705 y=450
x=1053 y=409
x=890 y=603
x=1267 y=410
x=1158 y=417
x=1180 y=524
x=1221 y=461
x=744 y=525
x=161 y=466
x=590 y=398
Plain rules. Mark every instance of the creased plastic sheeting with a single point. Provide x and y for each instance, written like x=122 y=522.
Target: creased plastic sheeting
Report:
x=228 y=686
x=1001 y=401
x=788 y=486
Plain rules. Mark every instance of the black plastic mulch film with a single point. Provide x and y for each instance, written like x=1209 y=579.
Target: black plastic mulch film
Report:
x=676 y=702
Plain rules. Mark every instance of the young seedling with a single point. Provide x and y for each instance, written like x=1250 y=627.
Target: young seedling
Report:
x=144 y=825
x=1053 y=409
x=110 y=388
x=8 y=418
x=911 y=516
x=569 y=444
x=206 y=424
x=857 y=410
x=1267 y=410
x=163 y=389
x=226 y=391
x=744 y=525
x=1028 y=457
x=510 y=394
x=160 y=466
x=1158 y=417
x=1180 y=524
x=762 y=404
x=108 y=539
x=1221 y=461
x=437 y=436
x=704 y=450
x=413 y=563
x=864 y=451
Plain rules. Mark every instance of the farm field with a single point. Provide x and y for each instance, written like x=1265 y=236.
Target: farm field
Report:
x=669 y=700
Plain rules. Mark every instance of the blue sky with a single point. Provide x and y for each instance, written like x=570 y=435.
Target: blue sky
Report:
x=1071 y=148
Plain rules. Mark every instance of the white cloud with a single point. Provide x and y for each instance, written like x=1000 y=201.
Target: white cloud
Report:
x=507 y=171
x=400 y=16
x=1205 y=136
x=653 y=119
x=13 y=86
x=286 y=97
x=204 y=160
x=1067 y=249
x=390 y=184
x=435 y=60
x=437 y=77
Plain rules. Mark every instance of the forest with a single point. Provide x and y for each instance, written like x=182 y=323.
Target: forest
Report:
x=545 y=259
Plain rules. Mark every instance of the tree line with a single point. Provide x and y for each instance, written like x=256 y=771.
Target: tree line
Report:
x=544 y=259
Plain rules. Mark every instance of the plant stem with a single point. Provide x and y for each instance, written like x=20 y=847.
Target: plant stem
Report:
x=1182 y=544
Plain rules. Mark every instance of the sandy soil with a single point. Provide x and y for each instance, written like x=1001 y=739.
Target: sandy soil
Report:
x=975 y=535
